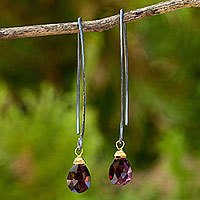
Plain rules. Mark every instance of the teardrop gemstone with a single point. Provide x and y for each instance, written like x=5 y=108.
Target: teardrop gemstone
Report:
x=78 y=179
x=120 y=172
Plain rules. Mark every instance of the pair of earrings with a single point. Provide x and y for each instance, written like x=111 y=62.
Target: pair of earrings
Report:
x=120 y=172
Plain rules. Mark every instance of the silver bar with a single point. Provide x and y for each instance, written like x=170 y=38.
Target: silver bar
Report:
x=78 y=87
x=126 y=76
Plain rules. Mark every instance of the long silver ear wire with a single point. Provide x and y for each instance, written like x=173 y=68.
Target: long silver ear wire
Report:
x=126 y=76
x=78 y=179
x=78 y=86
x=120 y=171
x=123 y=75
x=80 y=65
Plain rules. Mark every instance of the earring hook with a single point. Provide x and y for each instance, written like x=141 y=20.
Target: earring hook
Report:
x=80 y=66
x=123 y=75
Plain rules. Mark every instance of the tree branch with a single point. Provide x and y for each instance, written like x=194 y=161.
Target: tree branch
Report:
x=95 y=25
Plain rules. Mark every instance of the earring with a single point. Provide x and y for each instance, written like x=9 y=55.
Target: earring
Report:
x=120 y=172
x=78 y=179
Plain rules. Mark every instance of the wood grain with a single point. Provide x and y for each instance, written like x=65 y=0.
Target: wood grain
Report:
x=95 y=25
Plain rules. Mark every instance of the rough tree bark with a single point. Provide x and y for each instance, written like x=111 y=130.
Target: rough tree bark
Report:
x=95 y=25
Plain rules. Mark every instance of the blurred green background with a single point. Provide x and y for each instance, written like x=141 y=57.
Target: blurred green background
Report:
x=37 y=103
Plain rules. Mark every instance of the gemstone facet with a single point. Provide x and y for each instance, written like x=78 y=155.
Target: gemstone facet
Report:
x=78 y=179
x=120 y=172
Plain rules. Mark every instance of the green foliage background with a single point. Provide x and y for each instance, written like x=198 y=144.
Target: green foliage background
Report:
x=37 y=103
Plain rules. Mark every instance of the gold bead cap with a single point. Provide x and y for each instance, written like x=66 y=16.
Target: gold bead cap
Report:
x=78 y=160
x=120 y=154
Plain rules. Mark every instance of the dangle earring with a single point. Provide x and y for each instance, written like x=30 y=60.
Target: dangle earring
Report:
x=120 y=172
x=78 y=179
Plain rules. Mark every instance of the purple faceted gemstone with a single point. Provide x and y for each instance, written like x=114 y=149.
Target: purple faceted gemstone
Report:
x=120 y=172
x=78 y=179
